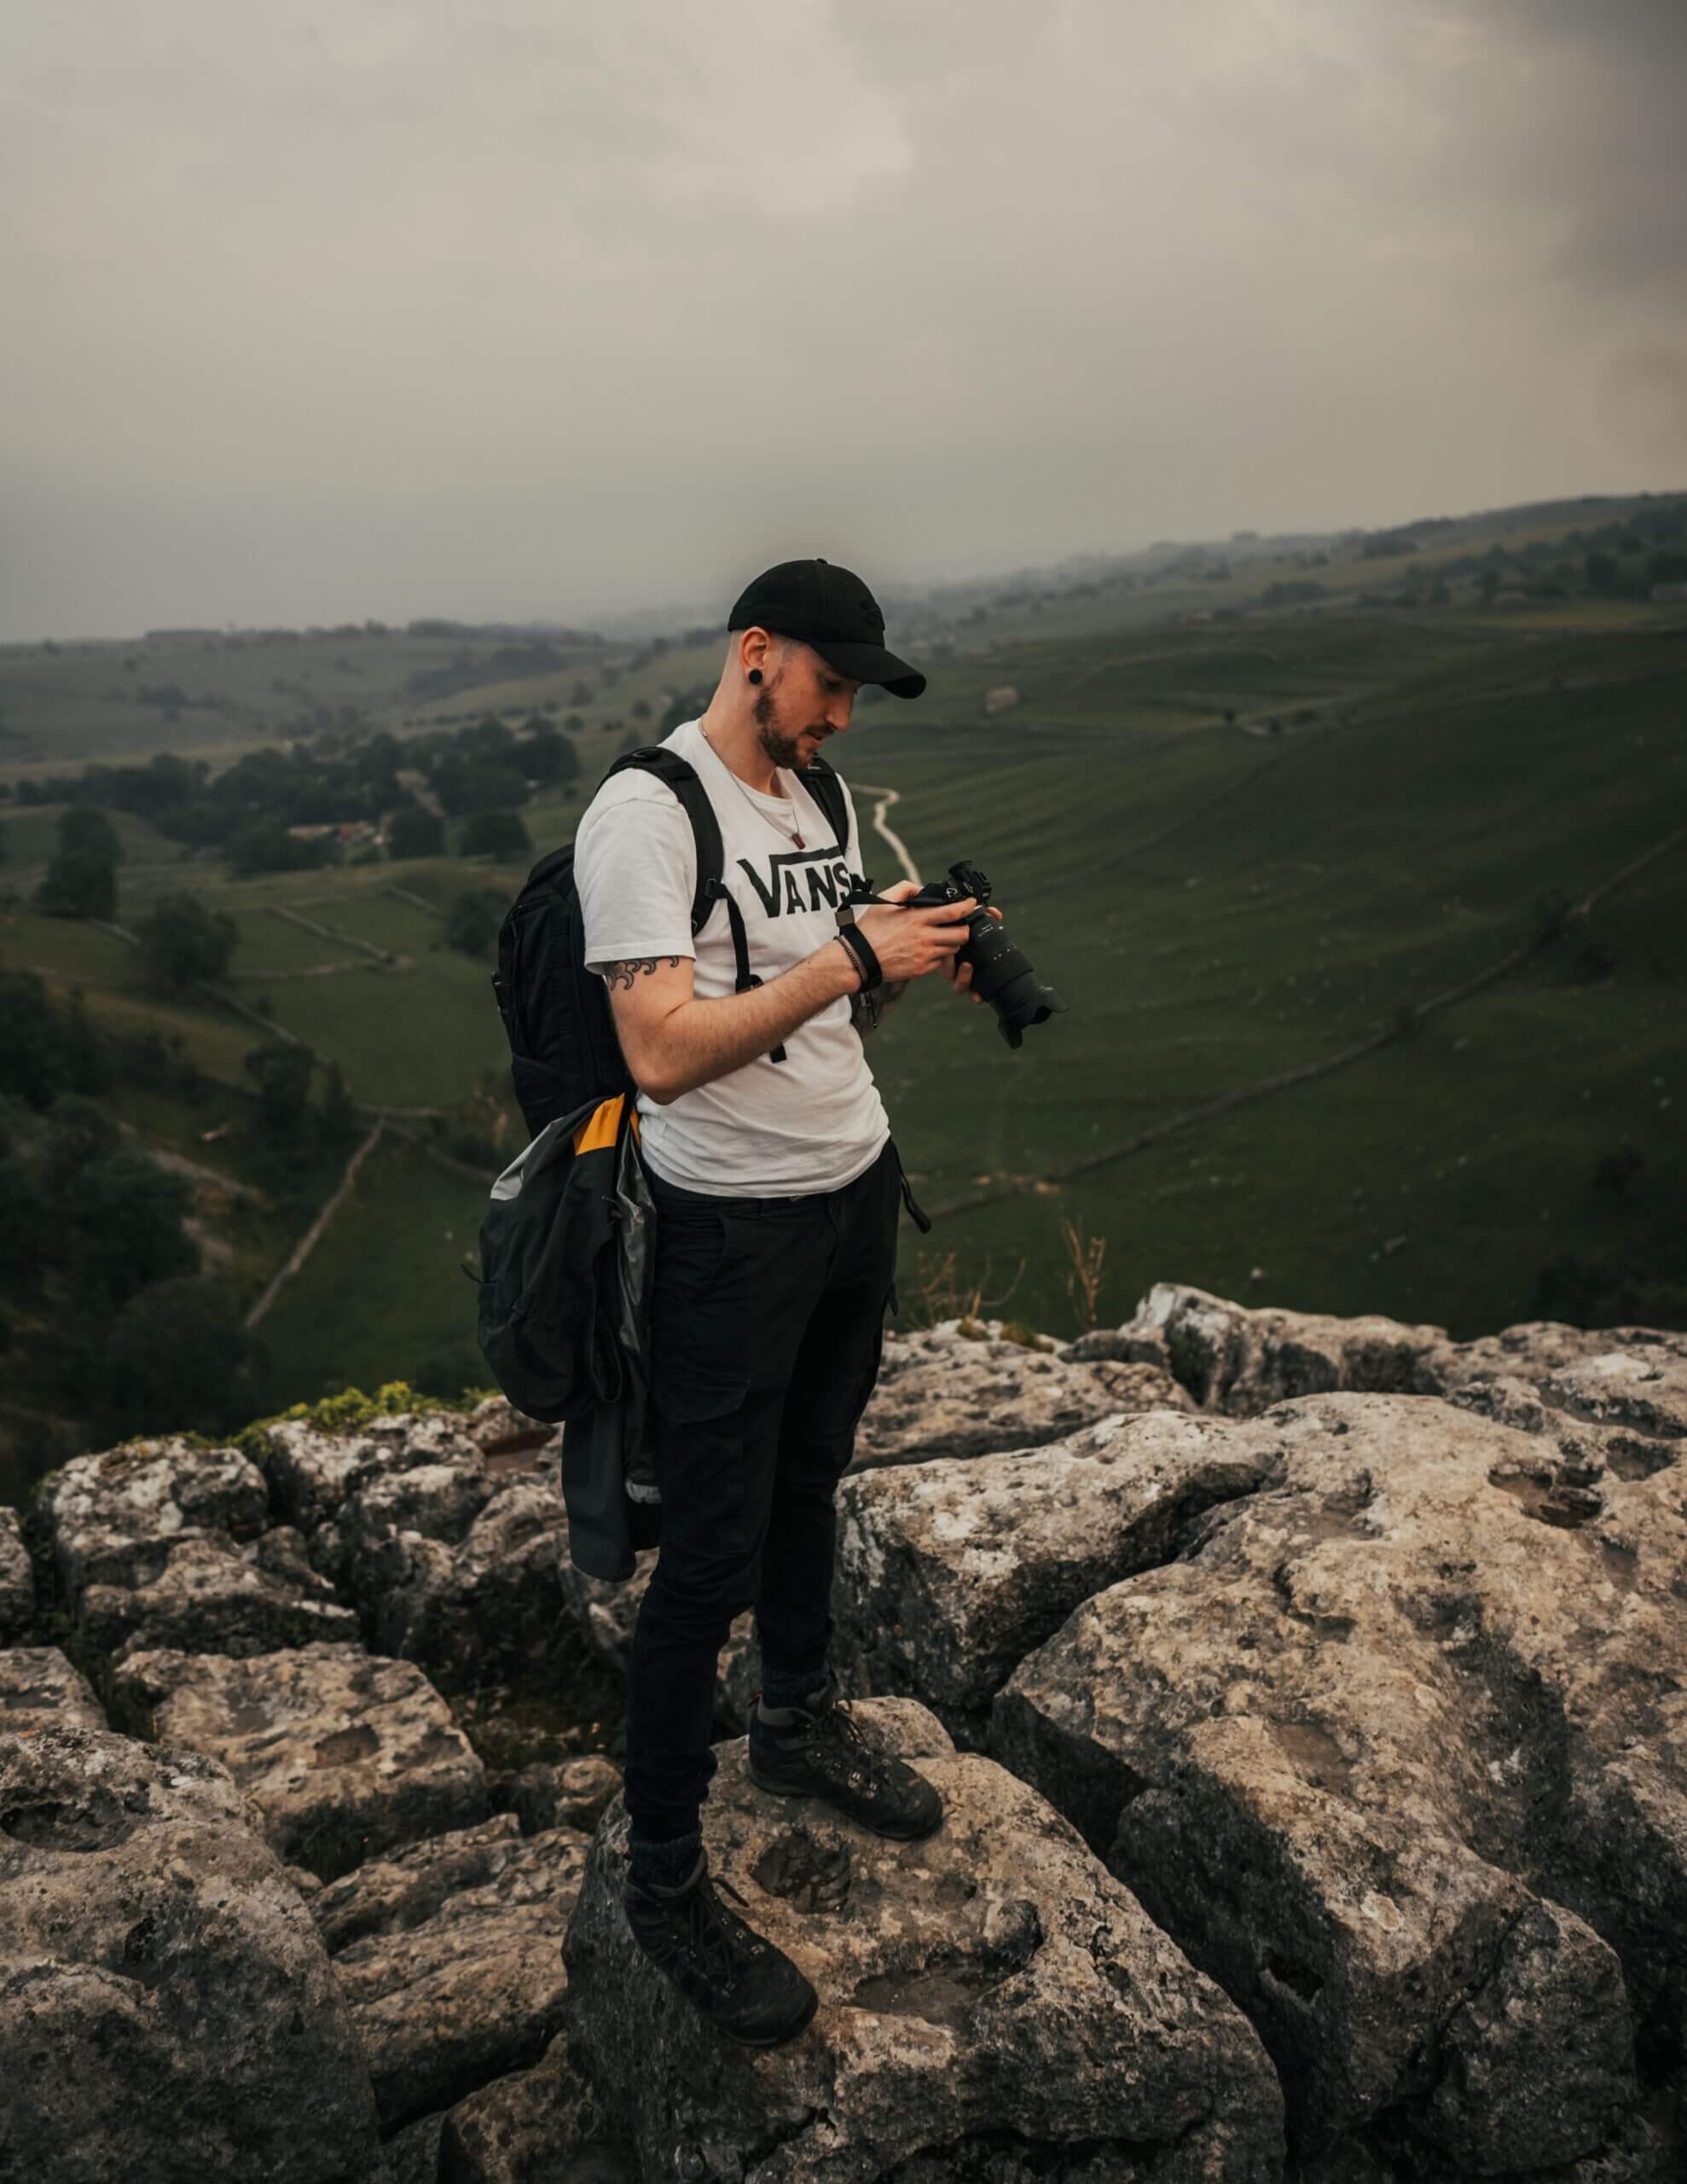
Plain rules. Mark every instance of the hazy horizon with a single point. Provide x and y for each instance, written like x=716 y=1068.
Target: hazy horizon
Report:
x=497 y=317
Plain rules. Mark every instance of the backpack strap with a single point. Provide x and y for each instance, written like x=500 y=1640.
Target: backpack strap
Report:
x=825 y=784
x=682 y=776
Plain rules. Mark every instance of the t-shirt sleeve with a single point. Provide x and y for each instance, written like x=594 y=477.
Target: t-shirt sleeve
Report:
x=635 y=873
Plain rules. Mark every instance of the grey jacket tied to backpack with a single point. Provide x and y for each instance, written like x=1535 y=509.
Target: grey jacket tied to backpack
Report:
x=567 y=1246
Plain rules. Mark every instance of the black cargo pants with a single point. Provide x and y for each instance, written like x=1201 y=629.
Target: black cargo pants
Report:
x=767 y=1328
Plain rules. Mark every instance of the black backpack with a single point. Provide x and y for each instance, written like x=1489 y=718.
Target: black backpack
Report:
x=564 y=1055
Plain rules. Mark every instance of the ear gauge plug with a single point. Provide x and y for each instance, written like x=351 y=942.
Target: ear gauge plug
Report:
x=755 y=674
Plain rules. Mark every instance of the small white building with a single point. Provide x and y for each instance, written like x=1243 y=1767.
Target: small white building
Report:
x=999 y=700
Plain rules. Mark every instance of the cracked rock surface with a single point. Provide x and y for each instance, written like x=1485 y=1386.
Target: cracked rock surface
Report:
x=451 y=1956
x=957 y=1390
x=1396 y=1750
x=950 y=1572
x=163 y=1995
x=991 y=2002
x=331 y=1744
x=41 y=1689
x=17 y=1579
x=115 y=1516
x=210 y=1595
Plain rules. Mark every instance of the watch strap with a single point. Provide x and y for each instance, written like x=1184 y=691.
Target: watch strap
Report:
x=862 y=950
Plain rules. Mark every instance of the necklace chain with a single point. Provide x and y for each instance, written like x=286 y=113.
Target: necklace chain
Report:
x=796 y=833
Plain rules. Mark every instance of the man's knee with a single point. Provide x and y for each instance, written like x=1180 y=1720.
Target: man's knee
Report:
x=701 y=1595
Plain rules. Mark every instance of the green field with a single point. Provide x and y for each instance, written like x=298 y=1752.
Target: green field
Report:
x=1214 y=906
x=389 y=1293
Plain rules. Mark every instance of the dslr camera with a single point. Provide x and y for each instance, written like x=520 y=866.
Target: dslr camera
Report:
x=1001 y=973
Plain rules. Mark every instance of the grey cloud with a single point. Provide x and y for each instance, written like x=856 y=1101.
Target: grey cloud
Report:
x=502 y=308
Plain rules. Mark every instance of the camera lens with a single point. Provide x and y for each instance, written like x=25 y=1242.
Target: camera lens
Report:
x=1002 y=974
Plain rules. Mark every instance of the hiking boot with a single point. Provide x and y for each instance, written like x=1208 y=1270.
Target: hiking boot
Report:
x=821 y=1751
x=729 y=1972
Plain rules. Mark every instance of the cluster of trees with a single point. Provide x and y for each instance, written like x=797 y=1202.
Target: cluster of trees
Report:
x=248 y=810
x=104 y=1312
x=108 y=1320
x=81 y=878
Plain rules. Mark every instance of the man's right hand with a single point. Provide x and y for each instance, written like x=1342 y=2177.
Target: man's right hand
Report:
x=910 y=942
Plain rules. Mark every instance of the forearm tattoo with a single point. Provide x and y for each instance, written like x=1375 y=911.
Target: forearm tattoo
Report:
x=616 y=974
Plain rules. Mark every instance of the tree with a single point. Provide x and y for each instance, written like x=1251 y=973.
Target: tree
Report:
x=412 y=832
x=32 y=1059
x=127 y=1214
x=496 y=834
x=283 y=1074
x=267 y=846
x=29 y=1226
x=466 y=785
x=183 y=941
x=81 y=881
x=549 y=756
x=177 y=1357
x=86 y=828
x=472 y=923
x=338 y=1119
x=82 y=1132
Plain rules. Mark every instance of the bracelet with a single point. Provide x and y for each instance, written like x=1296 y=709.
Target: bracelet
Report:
x=867 y=961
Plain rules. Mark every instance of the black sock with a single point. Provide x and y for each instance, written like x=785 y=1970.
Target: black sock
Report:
x=665 y=1865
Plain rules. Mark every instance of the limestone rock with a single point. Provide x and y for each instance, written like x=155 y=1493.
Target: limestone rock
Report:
x=17 y=1579
x=1396 y=1751
x=950 y=1572
x=392 y=1894
x=163 y=1995
x=1241 y=1359
x=432 y=1501
x=411 y=2155
x=40 y=1689
x=210 y=1595
x=575 y=1793
x=945 y=1391
x=313 y=1470
x=991 y=2004
x=343 y=1753
x=446 y=2001
x=499 y=1429
x=115 y=1516
x=487 y=1604
x=543 y=2126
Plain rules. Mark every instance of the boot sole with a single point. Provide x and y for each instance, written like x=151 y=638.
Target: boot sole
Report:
x=890 y=1834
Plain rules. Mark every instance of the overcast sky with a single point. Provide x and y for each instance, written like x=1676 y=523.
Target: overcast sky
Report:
x=547 y=307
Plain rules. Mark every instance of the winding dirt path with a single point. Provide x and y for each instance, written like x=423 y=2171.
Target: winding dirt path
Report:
x=887 y=796
x=313 y=1235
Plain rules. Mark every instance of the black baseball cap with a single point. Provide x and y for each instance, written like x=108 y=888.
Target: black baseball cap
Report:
x=826 y=606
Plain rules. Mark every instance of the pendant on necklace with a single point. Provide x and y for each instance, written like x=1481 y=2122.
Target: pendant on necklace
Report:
x=797 y=838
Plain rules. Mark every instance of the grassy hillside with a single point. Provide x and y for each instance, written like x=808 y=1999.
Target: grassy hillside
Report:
x=1218 y=902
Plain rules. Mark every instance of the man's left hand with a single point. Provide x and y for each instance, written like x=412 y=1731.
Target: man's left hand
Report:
x=959 y=974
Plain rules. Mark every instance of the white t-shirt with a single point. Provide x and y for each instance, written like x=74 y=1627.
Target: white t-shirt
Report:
x=813 y=1122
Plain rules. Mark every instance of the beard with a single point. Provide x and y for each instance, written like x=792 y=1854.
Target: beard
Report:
x=782 y=749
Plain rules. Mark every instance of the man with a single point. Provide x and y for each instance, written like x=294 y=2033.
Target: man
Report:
x=777 y=1188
